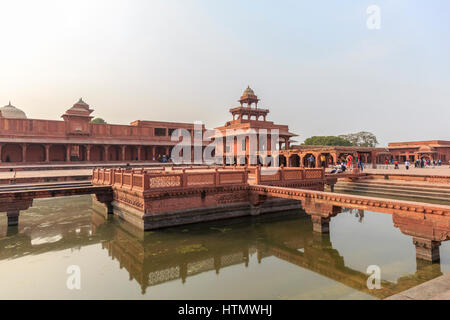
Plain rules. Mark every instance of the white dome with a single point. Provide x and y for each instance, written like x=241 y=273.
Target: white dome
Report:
x=9 y=111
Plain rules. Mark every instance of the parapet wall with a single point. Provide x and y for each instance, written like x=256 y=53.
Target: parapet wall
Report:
x=158 y=198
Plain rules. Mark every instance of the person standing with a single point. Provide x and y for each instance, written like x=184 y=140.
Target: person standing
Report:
x=407 y=164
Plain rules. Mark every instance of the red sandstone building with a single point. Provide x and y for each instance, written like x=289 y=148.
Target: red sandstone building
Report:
x=247 y=119
x=428 y=150
x=76 y=139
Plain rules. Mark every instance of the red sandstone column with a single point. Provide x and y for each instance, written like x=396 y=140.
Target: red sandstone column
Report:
x=374 y=160
x=139 y=149
x=1 y=145
x=317 y=156
x=320 y=224
x=258 y=175
x=67 y=152
x=88 y=153
x=123 y=152
x=427 y=249
x=106 y=149
x=47 y=153
x=24 y=152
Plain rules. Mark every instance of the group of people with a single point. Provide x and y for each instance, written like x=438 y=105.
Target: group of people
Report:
x=419 y=163
x=422 y=163
x=348 y=162
x=162 y=158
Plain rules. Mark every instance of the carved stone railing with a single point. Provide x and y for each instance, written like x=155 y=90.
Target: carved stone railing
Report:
x=279 y=175
x=143 y=180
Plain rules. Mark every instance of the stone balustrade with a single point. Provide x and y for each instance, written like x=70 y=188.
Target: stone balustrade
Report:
x=147 y=180
x=152 y=179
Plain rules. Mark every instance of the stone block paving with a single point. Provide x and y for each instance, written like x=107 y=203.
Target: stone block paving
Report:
x=436 y=289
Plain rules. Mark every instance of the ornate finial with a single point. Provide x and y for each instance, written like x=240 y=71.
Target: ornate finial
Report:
x=9 y=103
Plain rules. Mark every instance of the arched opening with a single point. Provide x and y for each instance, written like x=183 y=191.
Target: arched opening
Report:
x=57 y=152
x=35 y=153
x=309 y=161
x=325 y=160
x=115 y=153
x=294 y=160
x=97 y=153
x=12 y=153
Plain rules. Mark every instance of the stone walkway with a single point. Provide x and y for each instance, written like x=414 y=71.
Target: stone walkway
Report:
x=436 y=289
x=45 y=173
x=431 y=171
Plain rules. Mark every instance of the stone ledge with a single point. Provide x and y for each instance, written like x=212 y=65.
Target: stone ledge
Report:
x=436 y=289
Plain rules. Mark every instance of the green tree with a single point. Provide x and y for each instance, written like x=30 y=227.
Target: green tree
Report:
x=98 y=120
x=326 y=141
x=361 y=139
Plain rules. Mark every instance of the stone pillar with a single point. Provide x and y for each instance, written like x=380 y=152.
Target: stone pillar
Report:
x=320 y=224
x=68 y=152
x=88 y=153
x=426 y=249
x=13 y=217
x=139 y=151
x=374 y=160
x=317 y=157
x=334 y=156
x=153 y=152
x=1 y=145
x=123 y=152
x=24 y=152
x=47 y=153
x=106 y=150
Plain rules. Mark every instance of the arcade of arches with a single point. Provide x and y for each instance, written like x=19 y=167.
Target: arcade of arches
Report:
x=44 y=153
x=321 y=156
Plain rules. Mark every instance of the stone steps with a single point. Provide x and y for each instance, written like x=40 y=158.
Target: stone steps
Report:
x=416 y=193
x=400 y=188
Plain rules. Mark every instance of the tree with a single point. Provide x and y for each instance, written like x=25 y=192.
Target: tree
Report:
x=361 y=139
x=98 y=120
x=326 y=141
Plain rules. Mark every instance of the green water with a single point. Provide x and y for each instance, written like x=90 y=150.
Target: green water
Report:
x=275 y=256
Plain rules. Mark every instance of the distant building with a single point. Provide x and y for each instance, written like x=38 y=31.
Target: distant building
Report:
x=428 y=150
x=25 y=141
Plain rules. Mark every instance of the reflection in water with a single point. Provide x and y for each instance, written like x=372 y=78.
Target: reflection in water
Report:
x=280 y=249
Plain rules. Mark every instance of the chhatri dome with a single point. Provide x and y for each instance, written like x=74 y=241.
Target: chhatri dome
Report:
x=249 y=97
x=9 y=111
x=248 y=91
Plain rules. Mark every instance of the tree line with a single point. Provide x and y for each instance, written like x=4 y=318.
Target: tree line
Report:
x=360 y=139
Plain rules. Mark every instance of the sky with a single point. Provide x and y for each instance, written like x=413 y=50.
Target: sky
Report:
x=315 y=64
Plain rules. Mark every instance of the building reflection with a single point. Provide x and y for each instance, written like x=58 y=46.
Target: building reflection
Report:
x=163 y=256
x=300 y=238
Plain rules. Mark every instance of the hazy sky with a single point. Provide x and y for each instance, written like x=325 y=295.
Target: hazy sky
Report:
x=314 y=64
